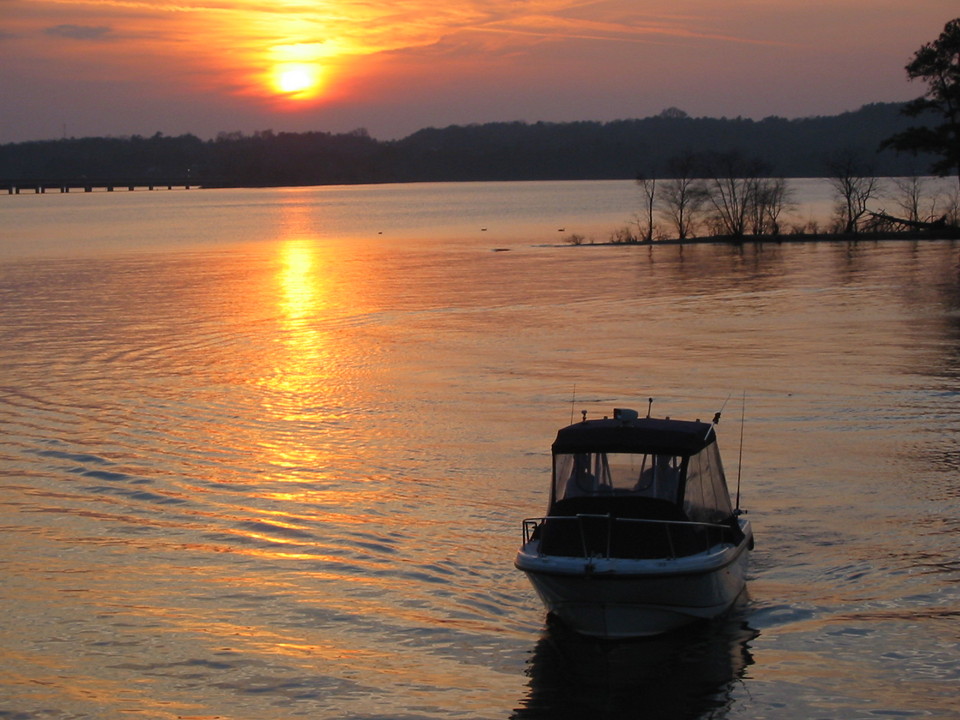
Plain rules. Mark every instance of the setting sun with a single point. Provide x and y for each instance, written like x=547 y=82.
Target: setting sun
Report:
x=299 y=81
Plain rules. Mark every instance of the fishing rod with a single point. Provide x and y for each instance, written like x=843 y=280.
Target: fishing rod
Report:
x=743 y=412
x=712 y=428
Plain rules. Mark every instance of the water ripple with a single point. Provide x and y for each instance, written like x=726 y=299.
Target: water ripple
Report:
x=287 y=479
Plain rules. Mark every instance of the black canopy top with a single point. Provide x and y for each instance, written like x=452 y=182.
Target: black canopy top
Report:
x=660 y=436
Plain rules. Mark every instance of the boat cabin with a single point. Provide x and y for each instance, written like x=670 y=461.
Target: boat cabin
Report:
x=636 y=487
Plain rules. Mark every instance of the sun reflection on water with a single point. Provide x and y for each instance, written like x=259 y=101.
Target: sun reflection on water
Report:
x=298 y=280
x=302 y=374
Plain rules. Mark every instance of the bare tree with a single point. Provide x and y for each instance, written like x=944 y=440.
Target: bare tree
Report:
x=645 y=223
x=771 y=197
x=910 y=194
x=730 y=188
x=949 y=207
x=680 y=196
x=854 y=185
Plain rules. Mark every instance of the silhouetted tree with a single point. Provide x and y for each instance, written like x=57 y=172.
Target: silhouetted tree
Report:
x=680 y=197
x=938 y=64
x=673 y=113
x=645 y=223
x=910 y=194
x=729 y=187
x=854 y=185
x=770 y=197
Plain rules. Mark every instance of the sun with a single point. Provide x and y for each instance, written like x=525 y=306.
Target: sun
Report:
x=298 y=81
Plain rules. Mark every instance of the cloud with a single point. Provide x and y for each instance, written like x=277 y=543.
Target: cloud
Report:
x=80 y=32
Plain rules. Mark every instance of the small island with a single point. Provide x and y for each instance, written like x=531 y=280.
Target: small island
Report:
x=728 y=198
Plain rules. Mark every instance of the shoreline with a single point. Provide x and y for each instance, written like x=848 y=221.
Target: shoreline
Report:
x=946 y=233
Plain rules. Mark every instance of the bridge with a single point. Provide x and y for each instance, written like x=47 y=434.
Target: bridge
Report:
x=65 y=185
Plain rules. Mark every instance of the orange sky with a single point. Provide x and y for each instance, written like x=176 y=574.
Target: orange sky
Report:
x=120 y=67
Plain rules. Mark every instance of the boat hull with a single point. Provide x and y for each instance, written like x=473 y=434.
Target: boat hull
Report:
x=623 y=598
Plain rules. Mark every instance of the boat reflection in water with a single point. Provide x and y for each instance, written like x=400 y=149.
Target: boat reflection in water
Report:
x=687 y=674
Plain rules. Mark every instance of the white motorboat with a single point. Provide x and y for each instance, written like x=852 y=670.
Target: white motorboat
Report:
x=640 y=535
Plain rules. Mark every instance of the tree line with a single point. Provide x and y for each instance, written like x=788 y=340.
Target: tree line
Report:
x=623 y=149
x=732 y=196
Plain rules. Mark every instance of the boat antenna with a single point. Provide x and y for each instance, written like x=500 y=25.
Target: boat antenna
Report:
x=573 y=402
x=716 y=419
x=649 y=406
x=743 y=412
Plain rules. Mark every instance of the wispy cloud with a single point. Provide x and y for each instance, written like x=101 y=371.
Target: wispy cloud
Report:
x=363 y=27
x=641 y=30
x=80 y=32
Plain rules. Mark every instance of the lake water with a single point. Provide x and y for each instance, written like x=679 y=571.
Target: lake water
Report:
x=265 y=454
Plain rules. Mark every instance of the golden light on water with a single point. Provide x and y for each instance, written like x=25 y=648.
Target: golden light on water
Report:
x=298 y=281
x=305 y=365
x=311 y=361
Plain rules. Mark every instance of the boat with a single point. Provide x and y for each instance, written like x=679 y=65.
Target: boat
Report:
x=640 y=535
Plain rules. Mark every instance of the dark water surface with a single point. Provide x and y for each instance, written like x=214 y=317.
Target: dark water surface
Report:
x=265 y=454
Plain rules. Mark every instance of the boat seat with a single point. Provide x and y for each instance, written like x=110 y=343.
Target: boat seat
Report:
x=607 y=528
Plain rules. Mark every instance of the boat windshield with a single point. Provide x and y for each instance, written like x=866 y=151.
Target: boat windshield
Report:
x=695 y=483
x=605 y=474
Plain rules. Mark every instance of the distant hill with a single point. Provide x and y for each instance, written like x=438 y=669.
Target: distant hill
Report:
x=620 y=149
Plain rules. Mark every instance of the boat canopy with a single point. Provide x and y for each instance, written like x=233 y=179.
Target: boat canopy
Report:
x=642 y=435
x=658 y=459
